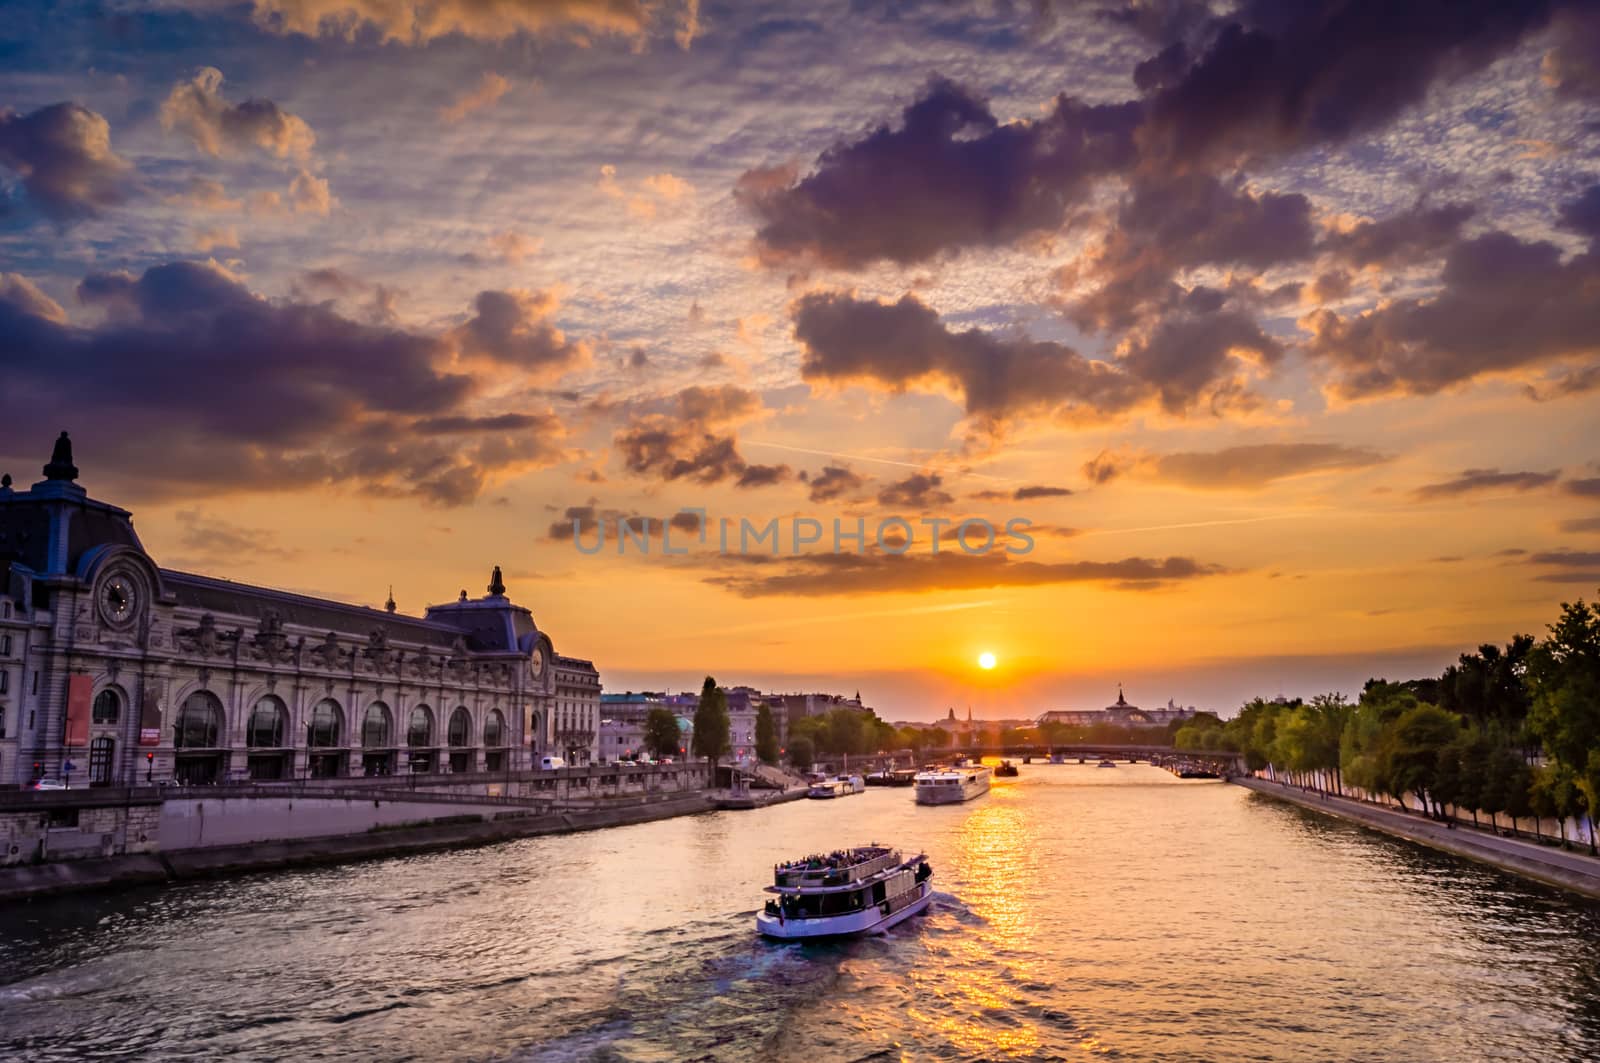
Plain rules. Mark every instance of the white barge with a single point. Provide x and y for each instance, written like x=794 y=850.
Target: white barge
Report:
x=950 y=786
x=865 y=890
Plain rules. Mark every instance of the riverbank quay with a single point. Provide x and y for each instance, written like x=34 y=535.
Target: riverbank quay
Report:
x=20 y=882
x=1569 y=870
x=83 y=838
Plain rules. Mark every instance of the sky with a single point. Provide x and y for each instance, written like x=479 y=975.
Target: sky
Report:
x=1278 y=324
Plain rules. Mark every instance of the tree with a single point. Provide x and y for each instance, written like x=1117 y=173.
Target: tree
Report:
x=1492 y=795
x=912 y=738
x=1587 y=781
x=661 y=734
x=1519 y=790
x=1556 y=795
x=802 y=752
x=766 y=736
x=1564 y=674
x=1447 y=778
x=1489 y=686
x=845 y=731
x=1366 y=747
x=1418 y=735
x=1307 y=737
x=1476 y=752
x=1540 y=800
x=711 y=738
x=1330 y=712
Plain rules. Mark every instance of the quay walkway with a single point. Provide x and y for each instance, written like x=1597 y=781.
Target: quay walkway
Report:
x=1568 y=869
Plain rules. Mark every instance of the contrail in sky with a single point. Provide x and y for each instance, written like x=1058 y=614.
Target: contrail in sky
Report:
x=1193 y=524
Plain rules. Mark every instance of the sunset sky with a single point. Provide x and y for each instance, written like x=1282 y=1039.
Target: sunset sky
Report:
x=1280 y=322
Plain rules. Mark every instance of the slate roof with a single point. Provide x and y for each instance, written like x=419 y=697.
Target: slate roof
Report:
x=229 y=599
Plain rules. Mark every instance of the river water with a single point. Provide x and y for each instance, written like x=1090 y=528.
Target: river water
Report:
x=1080 y=913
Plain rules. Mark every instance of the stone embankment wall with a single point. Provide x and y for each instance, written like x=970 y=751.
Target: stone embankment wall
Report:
x=17 y=883
x=1573 y=870
x=199 y=823
x=156 y=832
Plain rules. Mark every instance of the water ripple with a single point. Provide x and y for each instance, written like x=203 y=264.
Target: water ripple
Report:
x=1078 y=914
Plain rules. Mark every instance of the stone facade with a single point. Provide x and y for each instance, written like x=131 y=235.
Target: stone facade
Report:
x=575 y=715
x=120 y=672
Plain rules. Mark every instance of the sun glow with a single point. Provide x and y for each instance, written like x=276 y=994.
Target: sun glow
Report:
x=986 y=660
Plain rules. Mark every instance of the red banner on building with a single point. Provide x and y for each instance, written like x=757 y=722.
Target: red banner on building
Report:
x=150 y=717
x=80 y=693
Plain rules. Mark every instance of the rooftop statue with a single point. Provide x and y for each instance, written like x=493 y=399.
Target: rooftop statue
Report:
x=61 y=467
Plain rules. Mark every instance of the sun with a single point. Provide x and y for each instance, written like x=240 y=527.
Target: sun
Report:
x=986 y=660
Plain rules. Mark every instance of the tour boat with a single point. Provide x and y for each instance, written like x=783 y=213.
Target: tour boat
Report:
x=949 y=786
x=1006 y=770
x=1105 y=763
x=840 y=786
x=1058 y=758
x=865 y=890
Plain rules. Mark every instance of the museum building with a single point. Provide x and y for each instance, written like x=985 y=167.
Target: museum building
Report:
x=115 y=671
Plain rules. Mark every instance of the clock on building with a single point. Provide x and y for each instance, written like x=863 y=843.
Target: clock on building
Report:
x=536 y=660
x=119 y=599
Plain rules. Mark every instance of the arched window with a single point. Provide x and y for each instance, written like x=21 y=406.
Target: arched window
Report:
x=460 y=727
x=107 y=707
x=199 y=723
x=494 y=729
x=266 y=726
x=327 y=723
x=375 y=728
x=420 y=730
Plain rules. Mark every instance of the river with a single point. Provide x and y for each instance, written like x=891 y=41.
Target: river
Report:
x=1080 y=913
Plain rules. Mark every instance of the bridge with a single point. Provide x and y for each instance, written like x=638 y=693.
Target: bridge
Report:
x=1223 y=762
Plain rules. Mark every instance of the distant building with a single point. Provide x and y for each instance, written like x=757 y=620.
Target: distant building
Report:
x=621 y=730
x=1119 y=714
x=114 y=670
x=795 y=707
x=744 y=704
x=575 y=713
x=620 y=733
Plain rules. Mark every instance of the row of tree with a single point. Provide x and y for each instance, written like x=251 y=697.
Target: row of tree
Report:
x=1511 y=731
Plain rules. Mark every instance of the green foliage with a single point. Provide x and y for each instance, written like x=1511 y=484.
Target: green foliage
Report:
x=1519 y=785
x=1202 y=732
x=849 y=731
x=766 y=736
x=1476 y=752
x=1490 y=686
x=661 y=733
x=1447 y=781
x=1564 y=714
x=1306 y=738
x=1413 y=749
x=711 y=737
x=802 y=752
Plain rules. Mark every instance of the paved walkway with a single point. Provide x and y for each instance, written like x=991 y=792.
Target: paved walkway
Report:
x=1570 y=869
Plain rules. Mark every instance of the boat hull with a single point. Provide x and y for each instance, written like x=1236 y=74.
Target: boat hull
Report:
x=856 y=924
